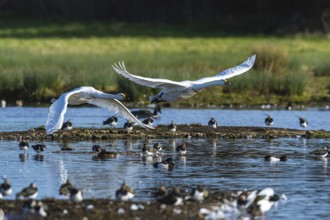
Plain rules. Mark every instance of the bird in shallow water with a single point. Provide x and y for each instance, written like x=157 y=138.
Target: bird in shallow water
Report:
x=86 y=95
x=112 y=121
x=125 y=193
x=175 y=91
x=303 y=122
x=67 y=125
x=65 y=188
x=181 y=149
x=173 y=198
x=269 y=120
x=212 y=123
x=39 y=148
x=23 y=145
x=30 y=192
x=166 y=164
x=147 y=113
x=275 y=159
x=319 y=153
x=5 y=188
x=172 y=127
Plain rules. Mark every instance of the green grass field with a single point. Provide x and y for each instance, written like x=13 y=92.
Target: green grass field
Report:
x=40 y=61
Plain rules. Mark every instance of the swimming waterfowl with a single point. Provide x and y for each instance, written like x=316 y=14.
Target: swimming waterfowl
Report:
x=212 y=123
x=67 y=125
x=269 y=120
x=198 y=193
x=65 y=188
x=172 y=198
x=263 y=202
x=39 y=148
x=303 y=122
x=125 y=193
x=181 y=149
x=166 y=164
x=149 y=121
x=147 y=150
x=275 y=159
x=112 y=121
x=5 y=188
x=88 y=95
x=321 y=153
x=172 y=127
x=75 y=195
x=157 y=147
x=105 y=154
x=96 y=148
x=147 y=113
x=29 y=192
x=175 y=91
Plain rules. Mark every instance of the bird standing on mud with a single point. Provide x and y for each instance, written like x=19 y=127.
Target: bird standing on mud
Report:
x=67 y=125
x=112 y=121
x=213 y=123
x=125 y=193
x=175 y=91
x=29 y=192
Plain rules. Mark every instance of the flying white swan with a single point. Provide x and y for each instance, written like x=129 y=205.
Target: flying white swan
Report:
x=88 y=95
x=174 y=91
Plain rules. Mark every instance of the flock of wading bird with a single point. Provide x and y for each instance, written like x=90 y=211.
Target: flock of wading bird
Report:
x=255 y=202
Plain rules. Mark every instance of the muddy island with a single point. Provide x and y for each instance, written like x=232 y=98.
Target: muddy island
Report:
x=162 y=132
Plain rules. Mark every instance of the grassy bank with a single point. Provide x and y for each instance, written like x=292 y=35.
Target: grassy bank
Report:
x=40 y=61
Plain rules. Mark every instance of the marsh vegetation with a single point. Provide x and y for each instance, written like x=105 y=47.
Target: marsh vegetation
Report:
x=38 y=62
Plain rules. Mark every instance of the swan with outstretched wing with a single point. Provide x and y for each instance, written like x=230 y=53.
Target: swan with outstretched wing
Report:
x=175 y=91
x=88 y=95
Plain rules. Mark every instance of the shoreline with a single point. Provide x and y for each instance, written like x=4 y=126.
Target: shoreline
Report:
x=112 y=209
x=161 y=131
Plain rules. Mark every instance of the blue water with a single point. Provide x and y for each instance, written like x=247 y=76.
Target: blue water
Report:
x=24 y=118
x=217 y=164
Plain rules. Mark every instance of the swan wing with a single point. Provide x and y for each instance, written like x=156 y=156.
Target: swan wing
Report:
x=145 y=81
x=116 y=106
x=56 y=112
x=231 y=72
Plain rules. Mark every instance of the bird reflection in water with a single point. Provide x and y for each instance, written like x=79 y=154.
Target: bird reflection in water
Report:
x=39 y=157
x=23 y=157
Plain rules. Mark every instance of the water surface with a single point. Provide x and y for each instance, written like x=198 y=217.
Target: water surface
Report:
x=214 y=163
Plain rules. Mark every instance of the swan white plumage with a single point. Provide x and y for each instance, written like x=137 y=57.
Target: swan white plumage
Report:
x=174 y=91
x=87 y=95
